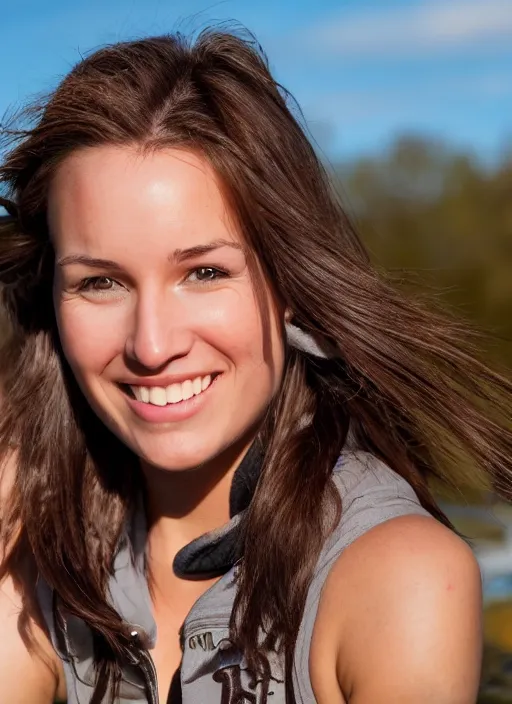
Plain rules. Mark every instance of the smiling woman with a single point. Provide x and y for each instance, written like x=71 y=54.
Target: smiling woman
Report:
x=219 y=421
x=173 y=304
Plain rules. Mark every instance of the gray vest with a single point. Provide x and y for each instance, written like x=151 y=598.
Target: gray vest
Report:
x=212 y=671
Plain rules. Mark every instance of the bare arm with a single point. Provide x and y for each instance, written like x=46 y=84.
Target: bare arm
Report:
x=400 y=619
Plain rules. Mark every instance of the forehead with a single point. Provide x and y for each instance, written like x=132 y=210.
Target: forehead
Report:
x=106 y=196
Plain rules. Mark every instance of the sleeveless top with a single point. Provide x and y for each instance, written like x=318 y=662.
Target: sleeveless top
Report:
x=212 y=671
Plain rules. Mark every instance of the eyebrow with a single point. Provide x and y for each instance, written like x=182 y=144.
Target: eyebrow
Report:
x=92 y=262
x=179 y=255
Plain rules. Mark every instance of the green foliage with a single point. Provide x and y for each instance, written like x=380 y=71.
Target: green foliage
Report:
x=442 y=223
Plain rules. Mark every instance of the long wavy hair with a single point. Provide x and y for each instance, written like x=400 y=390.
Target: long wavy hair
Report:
x=407 y=378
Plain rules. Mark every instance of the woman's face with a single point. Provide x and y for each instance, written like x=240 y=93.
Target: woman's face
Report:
x=156 y=307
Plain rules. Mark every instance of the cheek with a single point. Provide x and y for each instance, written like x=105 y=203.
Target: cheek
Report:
x=249 y=334
x=90 y=337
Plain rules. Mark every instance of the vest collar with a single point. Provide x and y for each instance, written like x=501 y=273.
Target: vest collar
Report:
x=212 y=554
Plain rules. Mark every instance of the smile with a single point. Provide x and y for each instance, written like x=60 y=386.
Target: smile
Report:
x=172 y=394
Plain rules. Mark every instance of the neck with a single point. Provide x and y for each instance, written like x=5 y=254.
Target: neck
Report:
x=183 y=505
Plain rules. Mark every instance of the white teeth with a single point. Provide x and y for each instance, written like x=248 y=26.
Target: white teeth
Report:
x=174 y=393
x=157 y=396
x=187 y=389
x=196 y=385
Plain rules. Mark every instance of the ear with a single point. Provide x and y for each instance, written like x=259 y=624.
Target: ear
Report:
x=288 y=315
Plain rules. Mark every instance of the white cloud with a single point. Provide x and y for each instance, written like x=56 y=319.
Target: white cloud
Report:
x=426 y=26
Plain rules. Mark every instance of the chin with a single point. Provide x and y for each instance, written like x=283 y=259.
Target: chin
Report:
x=177 y=459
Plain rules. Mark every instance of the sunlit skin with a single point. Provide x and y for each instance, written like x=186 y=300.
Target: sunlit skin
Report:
x=159 y=310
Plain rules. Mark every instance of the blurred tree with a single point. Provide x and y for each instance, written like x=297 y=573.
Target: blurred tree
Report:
x=439 y=219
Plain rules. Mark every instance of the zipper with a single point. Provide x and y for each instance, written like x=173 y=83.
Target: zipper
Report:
x=143 y=660
x=148 y=668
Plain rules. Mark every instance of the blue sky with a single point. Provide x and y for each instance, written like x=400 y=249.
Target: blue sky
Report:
x=362 y=70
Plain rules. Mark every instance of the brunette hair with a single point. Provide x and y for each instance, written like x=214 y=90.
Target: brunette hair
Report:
x=408 y=379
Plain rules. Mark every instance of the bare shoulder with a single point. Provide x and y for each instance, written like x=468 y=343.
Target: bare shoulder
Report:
x=30 y=671
x=400 y=617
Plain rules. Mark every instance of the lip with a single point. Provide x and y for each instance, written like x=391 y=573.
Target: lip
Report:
x=173 y=412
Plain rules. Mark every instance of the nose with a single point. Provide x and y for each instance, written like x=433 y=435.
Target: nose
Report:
x=159 y=331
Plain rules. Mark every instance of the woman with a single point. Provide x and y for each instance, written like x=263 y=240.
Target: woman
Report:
x=195 y=327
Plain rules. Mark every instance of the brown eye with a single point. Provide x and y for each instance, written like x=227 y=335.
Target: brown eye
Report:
x=97 y=283
x=102 y=283
x=206 y=274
